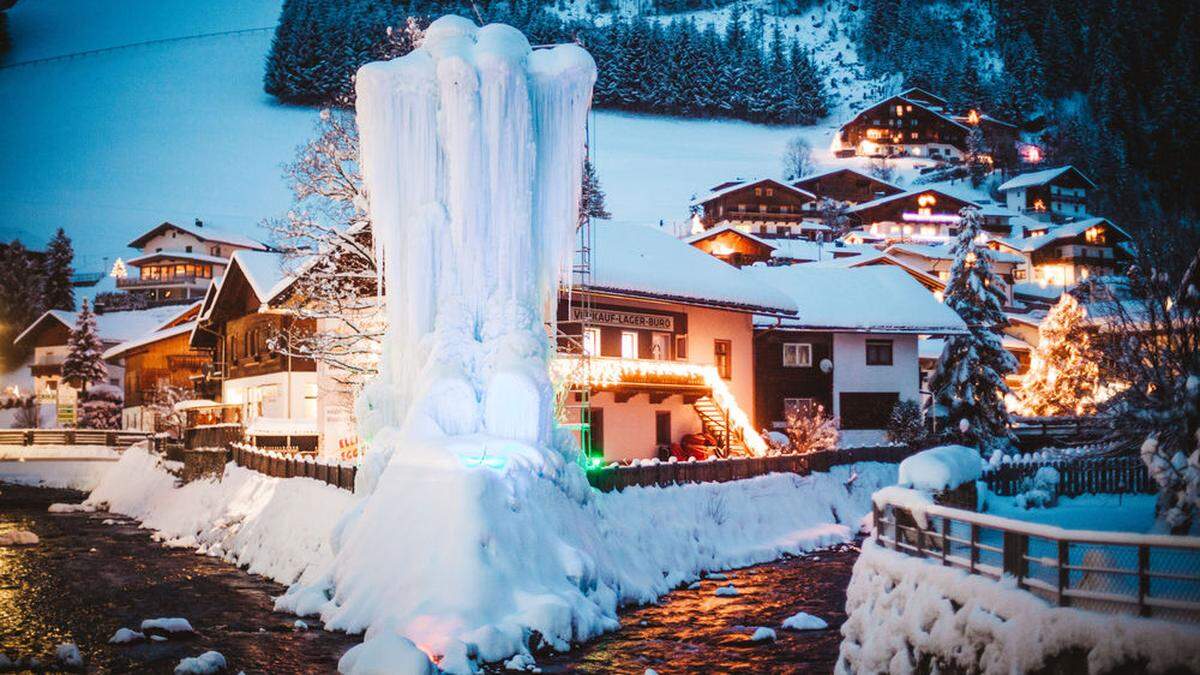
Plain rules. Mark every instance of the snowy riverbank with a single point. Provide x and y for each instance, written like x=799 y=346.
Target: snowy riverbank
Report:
x=56 y=466
x=654 y=539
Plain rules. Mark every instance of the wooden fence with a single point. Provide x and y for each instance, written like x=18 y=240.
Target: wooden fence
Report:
x=113 y=439
x=1040 y=432
x=1096 y=475
x=278 y=465
x=1148 y=575
x=609 y=478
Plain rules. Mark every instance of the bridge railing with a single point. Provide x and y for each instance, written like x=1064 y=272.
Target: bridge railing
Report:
x=118 y=439
x=1148 y=575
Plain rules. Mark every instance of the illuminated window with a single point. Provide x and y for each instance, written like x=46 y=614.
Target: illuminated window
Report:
x=629 y=344
x=770 y=191
x=757 y=192
x=591 y=341
x=899 y=111
x=723 y=358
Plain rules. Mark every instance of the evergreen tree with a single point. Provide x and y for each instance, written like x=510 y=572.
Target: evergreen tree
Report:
x=57 y=291
x=977 y=155
x=1063 y=375
x=100 y=407
x=20 y=300
x=591 y=199
x=82 y=364
x=968 y=385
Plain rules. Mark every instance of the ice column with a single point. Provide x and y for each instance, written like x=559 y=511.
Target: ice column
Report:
x=472 y=152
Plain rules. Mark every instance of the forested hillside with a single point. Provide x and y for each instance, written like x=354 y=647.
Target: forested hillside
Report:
x=750 y=69
x=1114 y=81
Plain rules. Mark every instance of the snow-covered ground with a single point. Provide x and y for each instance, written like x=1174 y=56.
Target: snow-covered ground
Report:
x=655 y=539
x=1115 y=513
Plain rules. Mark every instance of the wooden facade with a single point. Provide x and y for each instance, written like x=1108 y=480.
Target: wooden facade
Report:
x=245 y=351
x=898 y=125
x=775 y=383
x=168 y=361
x=770 y=206
x=848 y=185
x=916 y=208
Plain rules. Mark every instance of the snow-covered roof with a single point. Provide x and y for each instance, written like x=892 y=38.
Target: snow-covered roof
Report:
x=727 y=227
x=925 y=92
x=938 y=252
x=909 y=193
x=881 y=298
x=713 y=194
x=1064 y=231
x=264 y=270
x=937 y=111
x=149 y=338
x=1031 y=289
x=203 y=232
x=1042 y=177
x=864 y=174
x=641 y=261
x=177 y=255
x=110 y=326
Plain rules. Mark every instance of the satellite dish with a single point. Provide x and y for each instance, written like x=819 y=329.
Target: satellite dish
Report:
x=826 y=366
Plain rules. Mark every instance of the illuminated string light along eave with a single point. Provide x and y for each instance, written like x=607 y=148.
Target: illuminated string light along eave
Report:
x=612 y=371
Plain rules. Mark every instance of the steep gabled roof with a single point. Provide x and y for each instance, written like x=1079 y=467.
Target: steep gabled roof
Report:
x=846 y=169
x=1064 y=231
x=149 y=339
x=908 y=93
x=708 y=234
x=910 y=193
x=924 y=106
x=203 y=233
x=176 y=255
x=1036 y=178
x=934 y=252
x=731 y=186
x=112 y=327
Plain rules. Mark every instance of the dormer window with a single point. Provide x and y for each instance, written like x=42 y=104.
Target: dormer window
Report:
x=188 y=248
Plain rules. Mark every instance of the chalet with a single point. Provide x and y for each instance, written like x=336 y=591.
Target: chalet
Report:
x=178 y=262
x=852 y=348
x=731 y=245
x=937 y=260
x=847 y=185
x=660 y=346
x=917 y=123
x=922 y=215
x=235 y=325
x=48 y=336
x=1049 y=194
x=159 y=358
x=764 y=207
x=1067 y=254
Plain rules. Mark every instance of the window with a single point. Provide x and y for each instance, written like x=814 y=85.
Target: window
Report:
x=770 y=191
x=591 y=341
x=797 y=355
x=762 y=208
x=681 y=347
x=879 y=352
x=723 y=358
x=757 y=192
x=629 y=344
x=660 y=346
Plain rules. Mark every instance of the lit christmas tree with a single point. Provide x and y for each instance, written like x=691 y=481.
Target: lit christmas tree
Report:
x=968 y=386
x=118 y=270
x=1063 y=375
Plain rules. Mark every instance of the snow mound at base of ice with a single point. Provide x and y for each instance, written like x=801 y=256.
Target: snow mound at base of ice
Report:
x=126 y=635
x=168 y=625
x=941 y=468
x=386 y=654
x=763 y=634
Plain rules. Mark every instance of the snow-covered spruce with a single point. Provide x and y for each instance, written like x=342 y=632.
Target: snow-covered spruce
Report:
x=906 y=614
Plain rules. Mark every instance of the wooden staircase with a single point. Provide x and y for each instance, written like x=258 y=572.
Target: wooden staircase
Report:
x=715 y=421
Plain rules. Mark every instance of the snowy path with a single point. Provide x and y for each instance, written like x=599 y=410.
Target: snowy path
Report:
x=84 y=580
x=697 y=631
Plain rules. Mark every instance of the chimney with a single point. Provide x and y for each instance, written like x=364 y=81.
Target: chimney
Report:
x=199 y=223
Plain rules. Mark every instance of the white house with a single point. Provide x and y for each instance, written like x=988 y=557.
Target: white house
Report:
x=852 y=348
x=177 y=263
x=1049 y=194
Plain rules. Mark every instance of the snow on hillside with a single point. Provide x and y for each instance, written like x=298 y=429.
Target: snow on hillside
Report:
x=112 y=143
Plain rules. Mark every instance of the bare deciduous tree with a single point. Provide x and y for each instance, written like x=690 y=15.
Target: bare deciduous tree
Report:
x=797 y=159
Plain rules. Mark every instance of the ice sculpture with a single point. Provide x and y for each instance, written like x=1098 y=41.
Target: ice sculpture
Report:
x=476 y=529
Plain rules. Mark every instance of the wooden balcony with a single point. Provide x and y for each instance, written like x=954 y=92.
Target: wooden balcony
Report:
x=164 y=282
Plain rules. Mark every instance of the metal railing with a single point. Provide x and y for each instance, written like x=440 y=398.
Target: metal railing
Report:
x=609 y=478
x=111 y=438
x=148 y=282
x=1148 y=575
x=292 y=465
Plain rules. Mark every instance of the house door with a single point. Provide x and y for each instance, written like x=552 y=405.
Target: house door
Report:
x=660 y=348
x=662 y=427
x=597 y=433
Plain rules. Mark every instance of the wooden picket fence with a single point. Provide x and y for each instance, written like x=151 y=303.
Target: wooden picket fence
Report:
x=1077 y=476
x=119 y=439
x=1117 y=572
x=609 y=478
x=281 y=465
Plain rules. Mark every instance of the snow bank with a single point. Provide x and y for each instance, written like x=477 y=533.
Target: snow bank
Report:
x=274 y=527
x=901 y=608
x=941 y=468
x=621 y=547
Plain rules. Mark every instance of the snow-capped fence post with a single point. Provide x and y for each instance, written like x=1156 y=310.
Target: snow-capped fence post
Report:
x=1016 y=562
x=1143 y=570
x=1064 y=574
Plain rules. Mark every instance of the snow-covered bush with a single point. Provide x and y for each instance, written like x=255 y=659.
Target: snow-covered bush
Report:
x=906 y=423
x=809 y=429
x=942 y=468
x=100 y=407
x=1039 y=491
